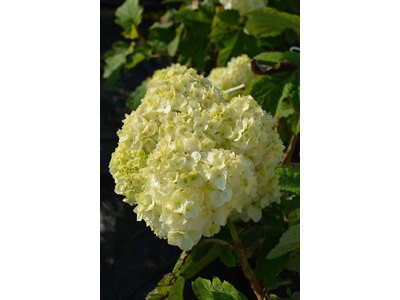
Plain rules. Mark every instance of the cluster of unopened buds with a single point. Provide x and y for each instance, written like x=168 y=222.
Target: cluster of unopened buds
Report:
x=188 y=158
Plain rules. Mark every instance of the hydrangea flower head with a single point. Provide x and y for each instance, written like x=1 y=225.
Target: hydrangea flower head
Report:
x=237 y=71
x=243 y=6
x=187 y=158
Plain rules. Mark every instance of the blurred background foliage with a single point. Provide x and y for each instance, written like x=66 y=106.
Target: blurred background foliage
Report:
x=139 y=37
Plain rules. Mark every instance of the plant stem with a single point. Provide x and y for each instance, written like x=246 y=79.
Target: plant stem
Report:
x=247 y=270
x=233 y=231
x=222 y=242
x=276 y=127
x=287 y=157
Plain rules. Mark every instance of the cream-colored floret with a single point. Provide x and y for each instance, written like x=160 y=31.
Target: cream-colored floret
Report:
x=187 y=158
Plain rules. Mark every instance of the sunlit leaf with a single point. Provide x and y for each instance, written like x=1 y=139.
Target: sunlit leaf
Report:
x=278 y=57
x=289 y=179
x=173 y=45
x=215 y=290
x=129 y=12
x=139 y=54
x=289 y=241
x=269 y=22
x=293 y=263
x=116 y=57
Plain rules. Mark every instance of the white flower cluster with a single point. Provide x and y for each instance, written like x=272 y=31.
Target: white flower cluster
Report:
x=237 y=71
x=243 y=6
x=188 y=159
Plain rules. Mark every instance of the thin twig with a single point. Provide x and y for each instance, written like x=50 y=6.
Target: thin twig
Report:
x=154 y=55
x=287 y=157
x=222 y=242
x=247 y=270
x=276 y=128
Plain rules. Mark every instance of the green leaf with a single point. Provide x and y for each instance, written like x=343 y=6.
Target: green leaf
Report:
x=269 y=91
x=290 y=204
x=139 y=54
x=225 y=19
x=131 y=33
x=162 y=34
x=194 y=43
x=229 y=17
x=169 y=15
x=170 y=287
x=284 y=109
x=271 y=283
x=266 y=267
x=273 y=268
x=292 y=90
x=113 y=78
x=173 y=45
x=193 y=19
x=241 y=296
x=292 y=6
x=289 y=180
x=228 y=256
x=199 y=258
x=293 y=219
x=129 y=16
x=205 y=290
x=293 y=263
x=135 y=98
x=193 y=50
x=202 y=288
x=224 y=24
x=278 y=57
x=294 y=122
x=179 y=263
x=272 y=42
x=116 y=57
x=176 y=290
x=159 y=38
x=250 y=45
x=295 y=296
x=231 y=48
x=249 y=84
x=163 y=25
x=188 y=265
x=284 y=130
x=230 y=38
x=223 y=291
x=269 y=22
x=166 y=21
x=153 y=295
x=289 y=241
x=251 y=234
